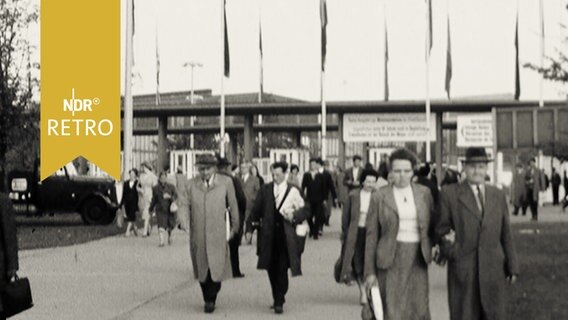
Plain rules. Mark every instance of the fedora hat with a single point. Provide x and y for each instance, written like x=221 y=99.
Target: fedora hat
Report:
x=206 y=160
x=223 y=162
x=476 y=155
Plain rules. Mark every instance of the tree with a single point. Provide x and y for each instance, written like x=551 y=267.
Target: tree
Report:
x=19 y=116
x=557 y=67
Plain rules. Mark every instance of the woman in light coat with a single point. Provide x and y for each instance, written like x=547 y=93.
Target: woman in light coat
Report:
x=398 y=245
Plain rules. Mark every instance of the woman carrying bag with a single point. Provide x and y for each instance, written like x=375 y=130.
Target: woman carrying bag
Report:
x=353 y=231
x=398 y=245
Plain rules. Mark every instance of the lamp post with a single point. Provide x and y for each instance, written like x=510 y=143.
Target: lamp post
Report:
x=192 y=64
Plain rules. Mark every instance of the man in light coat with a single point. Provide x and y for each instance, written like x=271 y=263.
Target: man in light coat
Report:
x=475 y=237
x=208 y=200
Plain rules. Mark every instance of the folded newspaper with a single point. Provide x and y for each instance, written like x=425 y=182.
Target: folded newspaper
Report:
x=292 y=203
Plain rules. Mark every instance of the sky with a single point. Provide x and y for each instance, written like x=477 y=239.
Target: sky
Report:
x=482 y=47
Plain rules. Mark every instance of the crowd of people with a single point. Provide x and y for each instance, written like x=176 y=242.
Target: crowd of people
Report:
x=529 y=182
x=395 y=222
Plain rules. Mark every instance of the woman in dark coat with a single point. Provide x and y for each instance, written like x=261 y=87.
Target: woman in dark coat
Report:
x=353 y=231
x=163 y=195
x=8 y=245
x=130 y=201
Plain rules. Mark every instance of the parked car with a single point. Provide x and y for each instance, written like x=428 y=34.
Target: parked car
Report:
x=64 y=192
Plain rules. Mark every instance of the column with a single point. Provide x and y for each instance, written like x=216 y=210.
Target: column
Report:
x=439 y=146
x=340 y=141
x=162 y=144
x=248 y=139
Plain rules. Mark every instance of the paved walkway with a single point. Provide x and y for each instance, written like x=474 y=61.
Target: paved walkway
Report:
x=131 y=278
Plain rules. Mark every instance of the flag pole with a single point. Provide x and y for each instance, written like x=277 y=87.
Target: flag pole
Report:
x=323 y=118
x=323 y=18
x=222 y=117
x=128 y=113
x=541 y=44
x=428 y=45
x=261 y=77
x=157 y=66
x=386 y=52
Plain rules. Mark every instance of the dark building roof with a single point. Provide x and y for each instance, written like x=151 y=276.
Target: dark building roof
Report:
x=205 y=97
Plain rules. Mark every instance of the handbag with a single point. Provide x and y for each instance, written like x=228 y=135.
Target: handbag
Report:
x=17 y=296
x=173 y=207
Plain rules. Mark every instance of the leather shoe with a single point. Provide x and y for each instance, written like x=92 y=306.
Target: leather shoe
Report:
x=278 y=309
x=209 y=307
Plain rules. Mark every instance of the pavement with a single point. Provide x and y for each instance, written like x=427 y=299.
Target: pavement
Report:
x=122 y=278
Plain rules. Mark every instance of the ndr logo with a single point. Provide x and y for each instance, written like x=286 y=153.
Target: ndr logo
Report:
x=79 y=105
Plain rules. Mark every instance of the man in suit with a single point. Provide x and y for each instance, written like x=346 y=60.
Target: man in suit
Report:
x=316 y=186
x=8 y=246
x=476 y=239
x=278 y=247
x=353 y=174
x=423 y=179
x=519 y=191
x=556 y=181
x=224 y=168
x=251 y=185
x=206 y=200
x=535 y=183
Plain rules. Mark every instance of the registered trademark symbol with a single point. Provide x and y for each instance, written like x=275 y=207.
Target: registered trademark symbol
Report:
x=96 y=101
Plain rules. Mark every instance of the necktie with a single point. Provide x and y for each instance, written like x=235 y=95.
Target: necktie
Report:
x=480 y=203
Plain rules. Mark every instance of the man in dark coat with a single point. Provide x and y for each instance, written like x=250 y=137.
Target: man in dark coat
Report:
x=8 y=245
x=423 y=179
x=475 y=237
x=224 y=168
x=353 y=174
x=251 y=185
x=519 y=191
x=535 y=182
x=316 y=186
x=556 y=181
x=277 y=246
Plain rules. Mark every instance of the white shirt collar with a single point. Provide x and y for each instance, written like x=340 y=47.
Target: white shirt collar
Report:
x=320 y=170
x=474 y=187
x=210 y=181
x=278 y=188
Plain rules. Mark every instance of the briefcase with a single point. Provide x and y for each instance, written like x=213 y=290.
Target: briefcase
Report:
x=17 y=297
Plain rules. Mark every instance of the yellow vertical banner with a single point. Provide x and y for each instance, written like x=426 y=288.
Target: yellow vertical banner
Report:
x=80 y=84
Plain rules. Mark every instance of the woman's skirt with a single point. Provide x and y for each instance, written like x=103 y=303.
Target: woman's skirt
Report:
x=404 y=286
x=130 y=212
x=166 y=220
x=359 y=253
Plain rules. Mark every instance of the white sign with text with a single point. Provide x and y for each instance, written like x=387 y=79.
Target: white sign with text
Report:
x=392 y=127
x=475 y=130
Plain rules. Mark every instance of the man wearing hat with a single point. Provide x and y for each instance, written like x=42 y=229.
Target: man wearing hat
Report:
x=224 y=169
x=207 y=201
x=475 y=238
